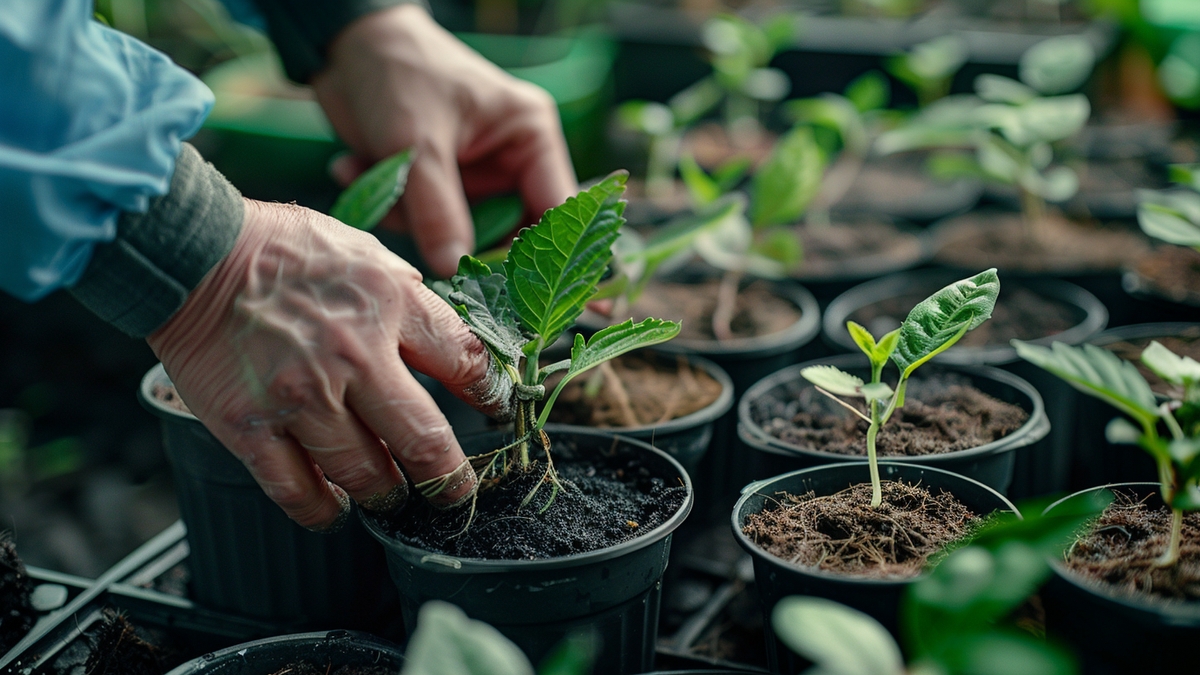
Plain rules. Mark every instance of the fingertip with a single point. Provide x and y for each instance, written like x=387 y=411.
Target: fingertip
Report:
x=443 y=259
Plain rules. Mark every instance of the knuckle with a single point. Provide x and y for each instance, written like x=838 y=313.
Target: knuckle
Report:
x=427 y=444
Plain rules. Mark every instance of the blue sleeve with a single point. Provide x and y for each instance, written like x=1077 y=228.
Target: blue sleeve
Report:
x=91 y=122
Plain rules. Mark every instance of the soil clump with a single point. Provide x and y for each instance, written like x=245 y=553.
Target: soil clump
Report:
x=16 y=611
x=759 y=311
x=646 y=389
x=1185 y=343
x=842 y=533
x=604 y=501
x=1172 y=272
x=847 y=248
x=1120 y=547
x=941 y=414
x=999 y=239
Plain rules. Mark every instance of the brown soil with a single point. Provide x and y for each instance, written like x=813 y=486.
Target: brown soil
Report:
x=850 y=248
x=1121 y=546
x=1185 y=343
x=982 y=239
x=941 y=414
x=16 y=612
x=711 y=146
x=1172 y=272
x=642 y=210
x=310 y=669
x=1020 y=313
x=1118 y=175
x=759 y=311
x=884 y=183
x=166 y=394
x=649 y=389
x=841 y=532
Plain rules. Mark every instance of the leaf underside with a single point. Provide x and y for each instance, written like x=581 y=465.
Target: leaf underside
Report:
x=481 y=298
x=1098 y=372
x=374 y=193
x=836 y=638
x=617 y=339
x=935 y=321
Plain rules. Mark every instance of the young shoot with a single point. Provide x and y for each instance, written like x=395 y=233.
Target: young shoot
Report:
x=1100 y=373
x=929 y=68
x=1174 y=216
x=933 y=326
x=551 y=272
x=368 y=199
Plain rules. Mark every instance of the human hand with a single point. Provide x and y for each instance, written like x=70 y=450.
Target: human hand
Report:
x=396 y=79
x=292 y=351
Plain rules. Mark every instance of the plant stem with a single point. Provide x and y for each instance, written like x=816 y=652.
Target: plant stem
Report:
x=722 y=317
x=872 y=461
x=522 y=428
x=1171 y=555
x=1033 y=211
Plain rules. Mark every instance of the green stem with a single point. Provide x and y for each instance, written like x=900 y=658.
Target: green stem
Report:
x=872 y=460
x=1171 y=555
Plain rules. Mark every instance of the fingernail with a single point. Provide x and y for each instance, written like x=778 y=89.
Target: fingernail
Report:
x=444 y=259
x=387 y=503
x=344 y=515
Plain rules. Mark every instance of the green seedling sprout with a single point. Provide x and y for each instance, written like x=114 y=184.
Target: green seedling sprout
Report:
x=1174 y=217
x=929 y=68
x=550 y=273
x=1100 y=373
x=933 y=326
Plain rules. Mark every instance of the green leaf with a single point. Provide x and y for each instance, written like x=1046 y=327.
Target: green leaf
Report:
x=1006 y=652
x=573 y=656
x=553 y=268
x=696 y=101
x=781 y=245
x=1055 y=118
x=869 y=91
x=788 y=181
x=678 y=235
x=877 y=391
x=1180 y=370
x=1097 y=372
x=647 y=117
x=495 y=218
x=938 y=58
x=607 y=344
x=701 y=188
x=862 y=337
x=729 y=174
x=1167 y=224
x=1058 y=64
x=481 y=298
x=940 y=320
x=835 y=112
x=446 y=642
x=833 y=380
x=1187 y=175
x=836 y=638
x=374 y=193
x=1120 y=431
x=1000 y=89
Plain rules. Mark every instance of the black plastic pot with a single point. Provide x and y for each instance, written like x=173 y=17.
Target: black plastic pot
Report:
x=991 y=464
x=777 y=579
x=613 y=592
x=1042 y=468
x=337 y=648
x=247 y=557
x=1152 y=305
x=1116 y=633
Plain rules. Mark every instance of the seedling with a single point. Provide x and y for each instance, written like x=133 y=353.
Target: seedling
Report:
x=929 y=68
x=551 y=272
x=933 y=326
x=1174 y=217
x=1099 y=373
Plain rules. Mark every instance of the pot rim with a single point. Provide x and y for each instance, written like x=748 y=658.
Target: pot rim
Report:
x=1033 y=430
x=1139 y=331
x=202 y=664
x=453 y=565
x=756 y=488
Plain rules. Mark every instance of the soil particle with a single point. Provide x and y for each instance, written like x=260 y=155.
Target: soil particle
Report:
x=166 y=394
x=1020 y=313
x=119 y=649
x=846 y=248
x=604 y=502
x=16 y=612
x=841 y=533
x=1172 y=272
x=310 y=669
x=940 y=414
x=648 y=389
x=984 y=239
x=759 y=311
x=1185 y=343
x=1121 y=546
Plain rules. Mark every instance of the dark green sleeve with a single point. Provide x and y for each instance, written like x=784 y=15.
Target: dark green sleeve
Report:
x=303 y=29
x=140 y=279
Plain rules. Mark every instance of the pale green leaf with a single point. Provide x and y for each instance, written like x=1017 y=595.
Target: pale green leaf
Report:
x=552 y=268
x=836 y=638
x=1055 y=118
x=702 y=189
x=781 y=245
x=788 y=181
x=1097 y=372
x=1171 y=226
x=374 y=193
x=938 y=58
x=481 y=298
x=495 y=219
x=679 y=234
x=694 y=102
x=1119 y=431
x=1058 y=64
x=446 y=642
x=835 y=112
x=833 y=380
x=937 y=322
x=862 y=337
x=877 y=391
x=647 y=117
x=1180 y=370
x=1000 y=89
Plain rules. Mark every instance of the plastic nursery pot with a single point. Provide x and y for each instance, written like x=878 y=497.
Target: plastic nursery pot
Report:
x=613 y=592
x=1042 y=468
x=991 y=464
x=1113 y=632
x=247 y=557
x=1098 y=462
x=1152 y=303
x=777 y=578
x=332 y=650
x=920 y=198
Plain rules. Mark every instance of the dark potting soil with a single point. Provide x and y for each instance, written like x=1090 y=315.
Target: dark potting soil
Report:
x=119 y=648
x=759 y=311
x=646 y=389
x=845 y=248
x=16 y=612
x=842 y=533
x=1120 y=548
x=1020 y=313
x=942 y=413
x=1172 y=272
x=983 y=239
x=306 y=668
x=1184 y=343
x=604 y=502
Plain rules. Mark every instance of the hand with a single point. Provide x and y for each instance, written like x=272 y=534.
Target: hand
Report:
x=292 y=351
x=396 y=80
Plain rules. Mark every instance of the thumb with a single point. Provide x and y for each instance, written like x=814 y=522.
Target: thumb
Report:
x=437 y=212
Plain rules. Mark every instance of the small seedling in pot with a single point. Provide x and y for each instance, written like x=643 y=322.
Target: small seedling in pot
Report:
x=1100 y=373
x=933 y=326
x=551 y=272
x=929 y=67
x=1174 y=217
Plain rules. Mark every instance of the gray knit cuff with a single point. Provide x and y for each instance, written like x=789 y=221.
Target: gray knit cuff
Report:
x=139 y=280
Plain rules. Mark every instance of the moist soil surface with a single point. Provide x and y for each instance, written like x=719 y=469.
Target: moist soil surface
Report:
x=1020 y=313
x=1172 y=272
x=605 y=501
x=1184 y=343
x=941 y=414
x=647 y=389
x=1121 y=546
x=842 y=533
x=307 y=668
x=983 y=239
x=16 y=613
x=854 y=248
x=759 y=311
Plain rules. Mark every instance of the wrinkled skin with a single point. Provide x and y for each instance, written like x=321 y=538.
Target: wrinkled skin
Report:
x=293 y=352
x=395 y=79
